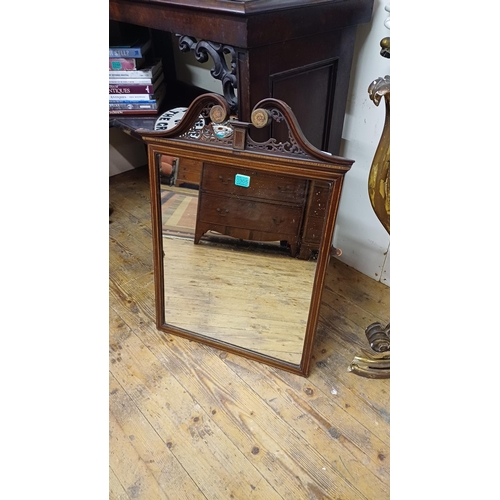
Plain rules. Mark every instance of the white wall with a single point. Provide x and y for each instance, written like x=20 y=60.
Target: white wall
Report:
x=359 y=234
x=189 y=70
x=125 y=152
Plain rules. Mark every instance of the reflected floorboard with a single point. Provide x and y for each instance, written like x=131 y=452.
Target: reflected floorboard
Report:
x=256 y=300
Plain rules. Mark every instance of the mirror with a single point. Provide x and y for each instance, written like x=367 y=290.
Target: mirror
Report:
x=242 y=231
x=223 y=283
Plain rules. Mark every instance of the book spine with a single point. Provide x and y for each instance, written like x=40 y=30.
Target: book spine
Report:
x=133 y=112
x=130 y=89
x=138 y=73
x=131 y=105
x=124 y=63
x=130 y=81
x=126 y=52
x=131 y=97
x=137 y=52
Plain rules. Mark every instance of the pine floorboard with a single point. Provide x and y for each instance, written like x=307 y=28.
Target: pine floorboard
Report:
x=190 y=421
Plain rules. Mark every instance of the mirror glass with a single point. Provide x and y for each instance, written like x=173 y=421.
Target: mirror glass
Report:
x=234 y=268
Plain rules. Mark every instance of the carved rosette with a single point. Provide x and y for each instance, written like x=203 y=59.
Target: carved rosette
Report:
x=218 y=114
x=217 y=51
x=260 y=118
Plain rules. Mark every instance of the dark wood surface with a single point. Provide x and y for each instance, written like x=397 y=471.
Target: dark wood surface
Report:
x=297 y=51
x=261 y=22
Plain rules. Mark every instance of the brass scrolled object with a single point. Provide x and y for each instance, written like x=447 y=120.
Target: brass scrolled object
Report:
x=385 y=44
x=379 y=337
x=379 y=193
x=371 y=367
x=379 y=177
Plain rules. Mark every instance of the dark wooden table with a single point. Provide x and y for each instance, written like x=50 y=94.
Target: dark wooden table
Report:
x=299 y=51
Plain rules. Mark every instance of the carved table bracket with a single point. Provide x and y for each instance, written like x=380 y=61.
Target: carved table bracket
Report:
x=202 y=49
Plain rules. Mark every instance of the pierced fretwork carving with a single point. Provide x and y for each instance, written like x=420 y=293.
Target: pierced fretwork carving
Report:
x=218 y=128
x=289 y=147
x=202 y=49
x=203 y=130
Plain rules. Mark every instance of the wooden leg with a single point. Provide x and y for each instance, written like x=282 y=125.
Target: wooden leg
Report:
x=199 y=231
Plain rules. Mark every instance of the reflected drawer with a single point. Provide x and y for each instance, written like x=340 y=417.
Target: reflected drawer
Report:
x=248 y=214
x=189 y=171
x=261 y=185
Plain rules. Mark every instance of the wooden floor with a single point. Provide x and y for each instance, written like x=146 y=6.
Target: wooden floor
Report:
x=189 y=421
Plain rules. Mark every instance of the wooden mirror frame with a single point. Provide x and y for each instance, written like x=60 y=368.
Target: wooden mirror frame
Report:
x=295 y=157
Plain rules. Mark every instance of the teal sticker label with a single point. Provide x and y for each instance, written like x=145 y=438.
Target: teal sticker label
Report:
x=242 y=180
x=116 y=65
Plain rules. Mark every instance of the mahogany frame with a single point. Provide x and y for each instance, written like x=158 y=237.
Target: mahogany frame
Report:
x=296 y=157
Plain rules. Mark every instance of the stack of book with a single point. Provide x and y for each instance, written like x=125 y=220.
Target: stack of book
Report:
x=136 y=82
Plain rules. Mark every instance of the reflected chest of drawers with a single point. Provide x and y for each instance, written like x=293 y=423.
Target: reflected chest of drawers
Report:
x=250 y=205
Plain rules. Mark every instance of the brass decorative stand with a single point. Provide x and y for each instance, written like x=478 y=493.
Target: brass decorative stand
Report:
x=374 y=367
x=379 y=192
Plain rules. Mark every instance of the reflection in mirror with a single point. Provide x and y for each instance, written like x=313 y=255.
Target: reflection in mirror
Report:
x=231 y=266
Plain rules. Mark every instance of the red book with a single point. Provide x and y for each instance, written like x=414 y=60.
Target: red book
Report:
x=133 y=111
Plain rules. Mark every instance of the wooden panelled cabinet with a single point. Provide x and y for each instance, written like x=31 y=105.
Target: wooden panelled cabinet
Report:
x=298 y=51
